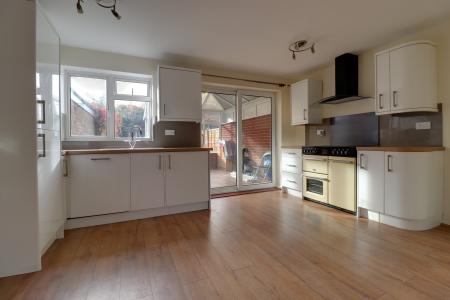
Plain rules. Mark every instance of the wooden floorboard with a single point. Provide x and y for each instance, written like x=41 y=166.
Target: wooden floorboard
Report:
x=256 y=246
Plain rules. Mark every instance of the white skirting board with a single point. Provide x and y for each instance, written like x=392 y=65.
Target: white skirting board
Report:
x=134 y=215
x=416 y=225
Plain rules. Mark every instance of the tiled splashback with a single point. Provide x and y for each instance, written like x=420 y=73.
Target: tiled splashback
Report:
x=371 y=130
x=187 y=134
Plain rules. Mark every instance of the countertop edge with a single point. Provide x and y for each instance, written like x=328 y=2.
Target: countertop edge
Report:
x=402 y=149
x=135 y=150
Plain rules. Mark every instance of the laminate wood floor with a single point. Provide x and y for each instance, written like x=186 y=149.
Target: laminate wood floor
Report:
x=257 y=246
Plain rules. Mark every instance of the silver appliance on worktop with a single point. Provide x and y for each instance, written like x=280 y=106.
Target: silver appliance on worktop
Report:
x=329 y=176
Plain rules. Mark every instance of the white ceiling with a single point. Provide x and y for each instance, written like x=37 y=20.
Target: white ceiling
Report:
x=251 y=36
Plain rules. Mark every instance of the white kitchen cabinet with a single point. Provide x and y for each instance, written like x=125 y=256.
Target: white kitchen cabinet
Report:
x=371 y=180
x=179 y=94
x=99 y=184
x=187 y=177
x=305 y=97
x=147 y=180
x=50 y=187
x=291 y=169
x=383 y=83
x=406 y=78
x=407 y=184
x=412 y=180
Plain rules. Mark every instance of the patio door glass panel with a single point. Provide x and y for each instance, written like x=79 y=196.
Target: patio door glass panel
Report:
x=256 y=139
x=219 y=132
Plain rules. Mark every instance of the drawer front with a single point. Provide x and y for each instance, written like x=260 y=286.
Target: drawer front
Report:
x=291 y=161
x=292 y=181
x=315 y=164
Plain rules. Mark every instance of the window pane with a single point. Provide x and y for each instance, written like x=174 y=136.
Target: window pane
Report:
x=87 y=106
x=131 y=88
x=129 y=115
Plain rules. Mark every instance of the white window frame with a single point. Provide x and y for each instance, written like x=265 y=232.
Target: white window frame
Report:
x=111 y=96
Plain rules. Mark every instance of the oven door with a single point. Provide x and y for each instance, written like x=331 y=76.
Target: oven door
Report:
x=315 y=186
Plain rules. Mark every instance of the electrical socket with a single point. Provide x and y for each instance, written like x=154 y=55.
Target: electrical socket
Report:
x=169 y=132
x=423 y=125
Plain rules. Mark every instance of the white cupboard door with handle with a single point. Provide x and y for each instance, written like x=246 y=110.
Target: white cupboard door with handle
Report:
x=179 y=93
x=187 y=177
x=408 y=180
x=299 y=103
x=147 y=180
x=99 y=184
x=383 y=88
x=371 y=180
x=413 y=77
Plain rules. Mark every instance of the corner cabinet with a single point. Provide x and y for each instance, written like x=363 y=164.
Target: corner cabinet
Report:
x=406 y=78
x=404 y=188
x=305 y=97
x=179 y=94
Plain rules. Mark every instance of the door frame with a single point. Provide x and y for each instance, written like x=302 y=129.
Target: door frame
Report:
x=239 y=139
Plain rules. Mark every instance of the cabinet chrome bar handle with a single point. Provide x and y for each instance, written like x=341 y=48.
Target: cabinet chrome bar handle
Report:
x=316 y=159
x=164 y=109
x=66 y=167
x=380 y=101
x=361 y=160
x=293 y=166
x=292 y=181
x=389 y=162
x=394 y=98
x=304 y=114
x=160 y=162
x=42 y=104
x=170 y=163
x=43 y=154
x=292 y=153
x=101 y=158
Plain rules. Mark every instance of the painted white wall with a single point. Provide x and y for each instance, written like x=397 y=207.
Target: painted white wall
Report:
x=19 y=251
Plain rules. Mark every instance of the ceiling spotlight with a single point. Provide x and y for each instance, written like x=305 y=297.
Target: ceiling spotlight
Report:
x=110 y=4
x=115 y=13
x=301 y=46
x=79 y=7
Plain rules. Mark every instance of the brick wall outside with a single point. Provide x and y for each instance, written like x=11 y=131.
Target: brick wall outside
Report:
x=256 y=133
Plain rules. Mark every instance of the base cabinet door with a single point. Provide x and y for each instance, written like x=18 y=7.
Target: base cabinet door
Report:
x=147 y=180
x=187 y=178
x=371 y=180
x=99 y=184
x=411 y=184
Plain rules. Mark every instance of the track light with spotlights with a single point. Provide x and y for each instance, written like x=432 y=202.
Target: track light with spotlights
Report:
x=110 y=4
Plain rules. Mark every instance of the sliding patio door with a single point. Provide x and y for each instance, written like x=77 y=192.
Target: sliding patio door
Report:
x=238 y=126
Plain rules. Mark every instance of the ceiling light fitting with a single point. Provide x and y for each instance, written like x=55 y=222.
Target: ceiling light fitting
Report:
x=109 y=4
x=301 y=46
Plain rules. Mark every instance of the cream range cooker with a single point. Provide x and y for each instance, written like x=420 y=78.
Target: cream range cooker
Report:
x=329 y=176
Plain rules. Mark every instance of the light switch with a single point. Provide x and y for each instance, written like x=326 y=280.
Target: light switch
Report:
x=169 y=132
x=423 y=125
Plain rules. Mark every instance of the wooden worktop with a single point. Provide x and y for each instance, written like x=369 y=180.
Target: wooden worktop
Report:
x=135 y=150
x=402 y=149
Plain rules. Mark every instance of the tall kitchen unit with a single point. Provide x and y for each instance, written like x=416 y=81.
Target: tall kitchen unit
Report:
x=51 y=206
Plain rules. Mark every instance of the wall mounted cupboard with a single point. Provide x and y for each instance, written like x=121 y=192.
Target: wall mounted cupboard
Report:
x=179 y=94
x=406 y=78
x=305 y=106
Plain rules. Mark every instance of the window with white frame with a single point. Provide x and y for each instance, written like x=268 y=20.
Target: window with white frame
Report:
x=102 y=106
